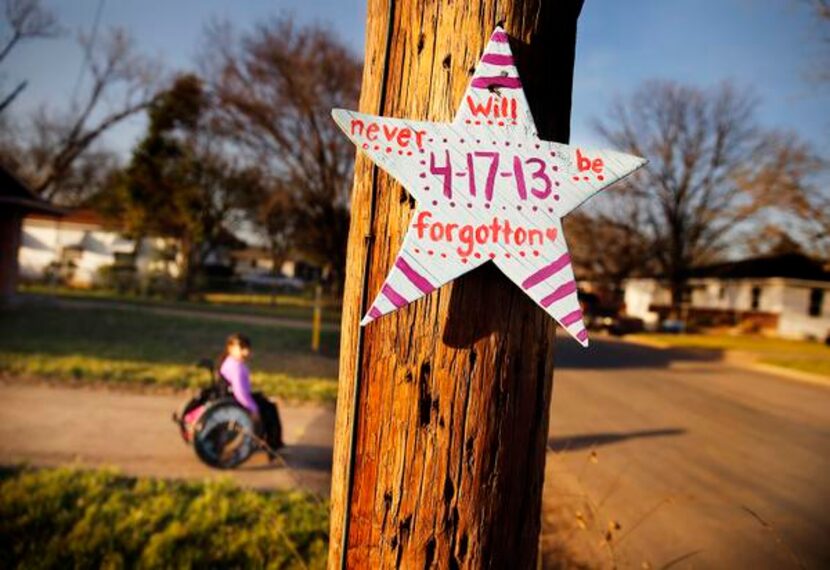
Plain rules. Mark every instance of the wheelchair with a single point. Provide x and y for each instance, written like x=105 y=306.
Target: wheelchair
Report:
x=221 y=431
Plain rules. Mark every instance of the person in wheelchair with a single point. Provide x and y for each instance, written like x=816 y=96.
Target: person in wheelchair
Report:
x=234 y=370
x=217 y=419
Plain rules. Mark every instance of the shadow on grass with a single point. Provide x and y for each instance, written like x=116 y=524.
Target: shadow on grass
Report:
x=587 y=441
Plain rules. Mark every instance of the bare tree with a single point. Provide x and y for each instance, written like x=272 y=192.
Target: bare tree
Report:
x=712 y=168
x=276 y=87
x=26 y=19
x=609 y=243
x=121 y=84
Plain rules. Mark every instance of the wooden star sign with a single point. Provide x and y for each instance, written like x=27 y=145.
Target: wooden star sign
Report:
x=488 y=190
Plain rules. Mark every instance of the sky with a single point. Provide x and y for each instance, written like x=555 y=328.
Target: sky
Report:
x=766 y=46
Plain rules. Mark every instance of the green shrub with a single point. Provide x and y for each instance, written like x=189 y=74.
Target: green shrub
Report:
x=66 y=517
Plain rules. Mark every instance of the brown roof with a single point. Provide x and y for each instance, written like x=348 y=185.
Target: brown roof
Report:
x=84 y=216
x=791 y=265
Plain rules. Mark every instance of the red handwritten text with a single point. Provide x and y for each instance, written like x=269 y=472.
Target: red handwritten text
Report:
x=468 y=235
x=379 y=131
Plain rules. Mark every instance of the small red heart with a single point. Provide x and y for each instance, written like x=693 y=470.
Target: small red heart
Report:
x=551 y=233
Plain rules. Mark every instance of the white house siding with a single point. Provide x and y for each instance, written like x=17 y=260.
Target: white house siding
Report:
x=639 y=295
x=795 y=321
x=43 y=242
x=787 y=298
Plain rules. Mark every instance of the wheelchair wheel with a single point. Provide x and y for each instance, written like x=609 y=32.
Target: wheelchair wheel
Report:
x=222 y=435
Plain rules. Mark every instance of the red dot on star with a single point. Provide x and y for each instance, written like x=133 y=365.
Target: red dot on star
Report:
x=389 y=149
x=444 y=255
x=463 y=260
x=430 y=252
x=492 y=256
x=501 y=123
x=423 y=175
x=576 y=178
x=365 y=145
x=535 y=253
x=522 y=253
x=477 y=255
x=600 y=177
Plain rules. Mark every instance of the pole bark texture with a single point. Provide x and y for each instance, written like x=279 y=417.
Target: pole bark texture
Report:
x=454 y=390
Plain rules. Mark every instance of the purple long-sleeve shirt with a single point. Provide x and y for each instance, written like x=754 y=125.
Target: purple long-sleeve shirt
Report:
x=238 y=376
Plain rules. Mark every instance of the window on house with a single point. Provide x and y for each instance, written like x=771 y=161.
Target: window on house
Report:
x=816 y=302
x=756 y=298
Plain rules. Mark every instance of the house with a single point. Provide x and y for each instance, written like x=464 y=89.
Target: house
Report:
x=255 y=260
x=16 y=201
x=787 y=295
x=77 y=247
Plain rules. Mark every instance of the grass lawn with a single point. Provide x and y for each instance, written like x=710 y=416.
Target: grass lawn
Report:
x=298 y=307
x=69 y=518
x=130 y=347
x=805 y=356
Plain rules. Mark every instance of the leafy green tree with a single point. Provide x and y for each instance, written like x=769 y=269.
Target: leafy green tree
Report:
x=180 y=183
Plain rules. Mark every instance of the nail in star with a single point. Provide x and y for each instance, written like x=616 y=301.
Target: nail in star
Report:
x=487 y=190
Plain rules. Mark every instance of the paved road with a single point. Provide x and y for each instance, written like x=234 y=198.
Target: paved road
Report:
x=706 y=466
x=703 y=465
x=48 y=426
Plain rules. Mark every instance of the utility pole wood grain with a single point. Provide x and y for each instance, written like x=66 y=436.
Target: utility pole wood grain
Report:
x=454 y=390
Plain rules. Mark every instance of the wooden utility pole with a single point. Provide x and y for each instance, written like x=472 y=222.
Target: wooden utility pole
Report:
x=453 y=390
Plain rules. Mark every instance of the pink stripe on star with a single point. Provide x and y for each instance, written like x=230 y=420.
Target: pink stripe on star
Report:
x=547 y=271
x=582 y=335
x=497 y=59
x=559 y=293
x=393 y=296
x=571 y=318
x=499 y=37
x=416 y=278
x=505 y=82
x=375 y=313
